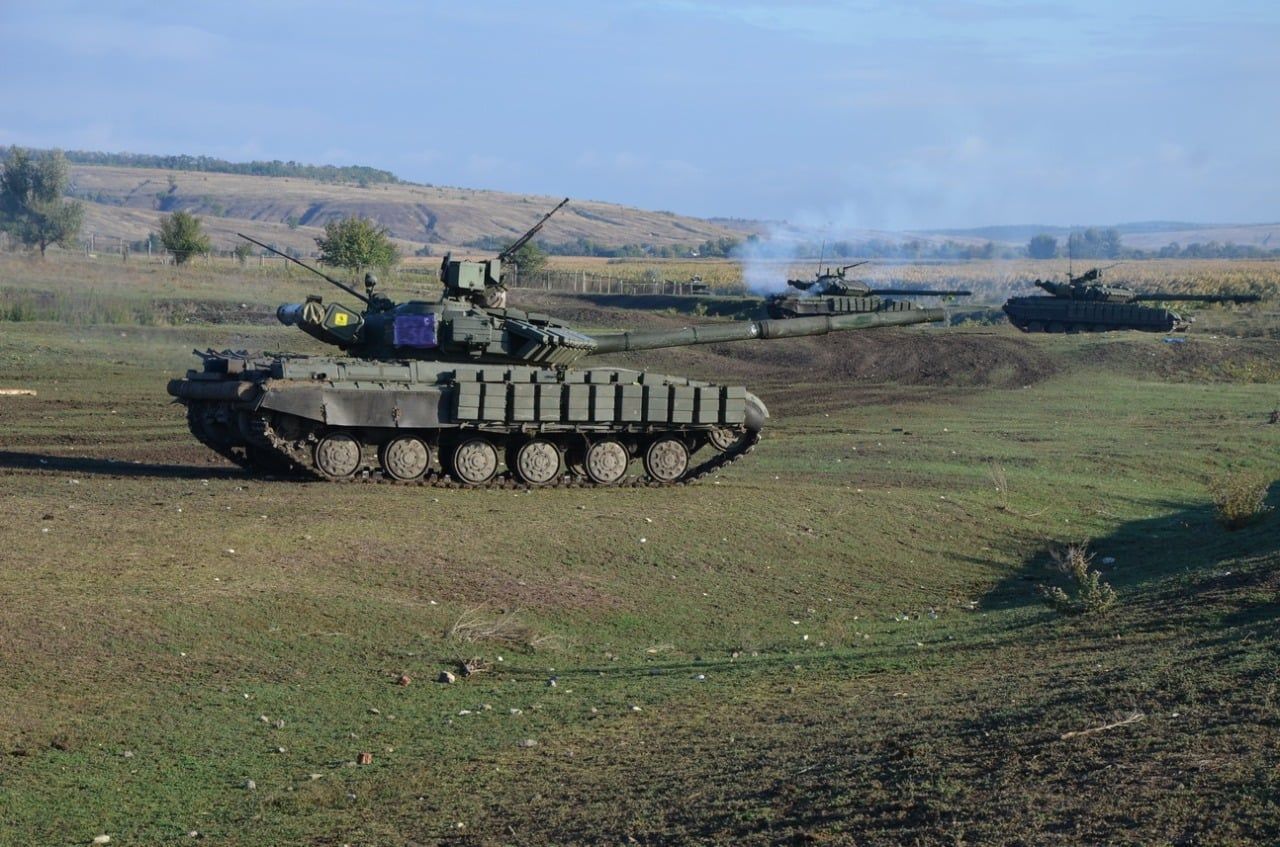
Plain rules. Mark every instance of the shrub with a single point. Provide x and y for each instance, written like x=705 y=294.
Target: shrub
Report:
x=1086 y=593
x=181 y=235
x=1239 y=498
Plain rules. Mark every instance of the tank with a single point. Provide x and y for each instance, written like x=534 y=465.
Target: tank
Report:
x=466 y=392
x=830 y=293
x=1085 y=304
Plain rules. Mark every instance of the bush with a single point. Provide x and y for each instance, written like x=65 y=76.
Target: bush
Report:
x=181 y=235
x=1239 y=498
x=357 y=243
x=1086 y=593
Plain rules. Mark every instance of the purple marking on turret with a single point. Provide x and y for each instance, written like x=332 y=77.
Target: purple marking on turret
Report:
x=414 y=331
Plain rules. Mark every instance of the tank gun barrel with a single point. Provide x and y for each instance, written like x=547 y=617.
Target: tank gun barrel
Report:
x=1156 y=297
x=923 y=292
x=759 y=330
x=356 y=294
x=506 y=255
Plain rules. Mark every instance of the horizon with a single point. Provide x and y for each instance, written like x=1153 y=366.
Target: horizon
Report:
x=908 y=117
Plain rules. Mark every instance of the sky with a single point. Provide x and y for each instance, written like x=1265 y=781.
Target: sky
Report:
x=906 y=115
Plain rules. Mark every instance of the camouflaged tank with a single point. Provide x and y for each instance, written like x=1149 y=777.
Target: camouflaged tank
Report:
x=829 y=293
x=451 y=391
x=1084 y=304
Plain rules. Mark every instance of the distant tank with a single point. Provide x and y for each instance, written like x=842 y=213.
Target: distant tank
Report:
x=829 y=293
x=449 y=392
x=1084 y=304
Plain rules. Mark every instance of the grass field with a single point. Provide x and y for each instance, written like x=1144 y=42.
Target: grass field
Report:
x=836 y=641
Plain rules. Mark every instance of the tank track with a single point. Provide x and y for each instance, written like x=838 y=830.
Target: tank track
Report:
x=266 y=451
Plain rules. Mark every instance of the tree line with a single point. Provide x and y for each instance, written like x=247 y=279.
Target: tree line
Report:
x=1094 y=243
x=581 y=246
x=359 y=174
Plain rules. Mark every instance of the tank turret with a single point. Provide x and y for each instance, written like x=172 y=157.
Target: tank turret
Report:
x=1085 y=304
x=831 y=293
x=447 y=392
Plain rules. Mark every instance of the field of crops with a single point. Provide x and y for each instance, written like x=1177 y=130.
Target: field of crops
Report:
x=991 y=281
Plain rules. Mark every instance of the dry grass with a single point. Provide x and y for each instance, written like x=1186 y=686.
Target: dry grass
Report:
x=1001 y=484
x=476 y=625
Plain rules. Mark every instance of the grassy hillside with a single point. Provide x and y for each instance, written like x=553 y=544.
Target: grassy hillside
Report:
x=836 y=641
x=125 y=202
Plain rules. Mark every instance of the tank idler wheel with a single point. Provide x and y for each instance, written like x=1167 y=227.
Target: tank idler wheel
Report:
x=538 y=462
x=606 y=462
x=337 y=455
x=474 y=461
x=214 y=425
x=666 y=460
x=405 y=458
x=724 y=438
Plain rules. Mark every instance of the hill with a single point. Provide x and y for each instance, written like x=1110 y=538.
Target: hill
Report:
x=123 y=202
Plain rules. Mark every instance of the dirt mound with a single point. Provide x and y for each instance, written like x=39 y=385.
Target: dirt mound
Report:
x=581 y=311
x=896 y=356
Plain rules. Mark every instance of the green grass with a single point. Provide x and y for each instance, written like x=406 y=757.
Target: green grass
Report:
x=926 y=705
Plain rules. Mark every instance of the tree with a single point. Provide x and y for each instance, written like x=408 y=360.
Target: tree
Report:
x=181 y=235
x=530 y=259
x=1042 y=246
x=242 y=251
x=356 y=243
x=32 y=209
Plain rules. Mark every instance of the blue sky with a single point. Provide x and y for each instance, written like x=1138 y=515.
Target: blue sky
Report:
x=901 y=115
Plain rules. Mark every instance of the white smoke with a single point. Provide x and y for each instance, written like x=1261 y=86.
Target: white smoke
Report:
x=765 y=262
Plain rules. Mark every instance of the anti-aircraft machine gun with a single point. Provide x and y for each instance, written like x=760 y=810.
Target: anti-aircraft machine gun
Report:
x=830 y=293
x=446 y=392
x=1084 y=304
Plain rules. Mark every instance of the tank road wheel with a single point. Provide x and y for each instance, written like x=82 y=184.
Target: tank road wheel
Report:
x=405 y=458
x=606 y=461
x=666 y=460
x=474 y=461
x=1032 y=326
x=538 y=462
x=724 y=438
x=337 y=455
x=1055 y=326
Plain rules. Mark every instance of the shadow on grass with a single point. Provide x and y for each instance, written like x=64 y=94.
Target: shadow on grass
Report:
x=12 y=460
x=1163 y=560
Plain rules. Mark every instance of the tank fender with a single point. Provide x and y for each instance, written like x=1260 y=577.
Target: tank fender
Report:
x=757 y=413
x=362 y=407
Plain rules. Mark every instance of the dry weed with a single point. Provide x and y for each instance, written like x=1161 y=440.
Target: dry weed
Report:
x=1239 y=498
x=1086 y=592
